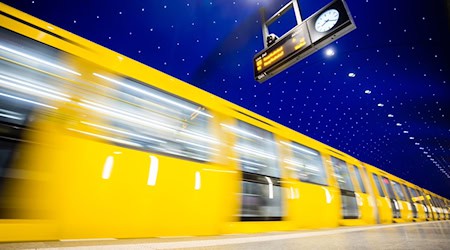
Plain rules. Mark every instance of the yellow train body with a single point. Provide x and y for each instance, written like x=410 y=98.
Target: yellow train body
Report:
x=75 y=171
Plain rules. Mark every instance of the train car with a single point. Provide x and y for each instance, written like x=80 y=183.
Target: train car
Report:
x=397 y=200
x=97 y=145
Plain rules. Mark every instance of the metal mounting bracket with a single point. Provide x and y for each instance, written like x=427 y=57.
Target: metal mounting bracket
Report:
x=265 y=23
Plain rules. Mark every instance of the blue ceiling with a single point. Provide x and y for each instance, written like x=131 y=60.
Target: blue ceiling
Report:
x=394 y=113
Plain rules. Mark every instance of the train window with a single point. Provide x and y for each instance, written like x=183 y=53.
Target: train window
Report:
x=307 y=164
x=31 y=78
x=360 y=181
x=261 y=184
x=257 y=150
x=438 y=201
x=422 y=196
x=342 y=174
x=387 y=185
x=398 y=190
x=377 y=183
x=435 y=200
x=414 y=195
x=408 y=193
x=142 y=117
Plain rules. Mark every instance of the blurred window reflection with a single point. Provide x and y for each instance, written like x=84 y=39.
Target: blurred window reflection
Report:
x=257 y=151
x=410 y=200
x=414 y=194
x=422 y=196
x=359 y=178
x=30 y=79
x=307 y=164
x=342 y=174
x=408 y=193
x=378 y=184
x=388 y=187
x=435 y=201
x=398 y=190
x=142 y=117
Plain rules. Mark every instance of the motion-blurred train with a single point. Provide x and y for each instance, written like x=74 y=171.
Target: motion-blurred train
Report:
x=96 y=145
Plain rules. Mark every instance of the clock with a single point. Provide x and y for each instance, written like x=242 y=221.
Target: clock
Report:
x=327 y=20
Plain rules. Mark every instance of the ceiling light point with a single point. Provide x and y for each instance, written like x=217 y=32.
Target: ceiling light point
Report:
x=329 y=52
x=351 y=74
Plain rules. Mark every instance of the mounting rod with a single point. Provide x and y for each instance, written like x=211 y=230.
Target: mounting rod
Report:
x=265 y=23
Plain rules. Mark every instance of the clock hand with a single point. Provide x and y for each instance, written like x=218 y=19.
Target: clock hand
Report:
x=324 y=23
x=328 y=21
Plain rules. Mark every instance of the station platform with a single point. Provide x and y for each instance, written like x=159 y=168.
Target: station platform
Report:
x=424 y=235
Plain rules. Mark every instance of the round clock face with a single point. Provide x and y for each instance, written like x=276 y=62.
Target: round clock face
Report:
x=327 y=20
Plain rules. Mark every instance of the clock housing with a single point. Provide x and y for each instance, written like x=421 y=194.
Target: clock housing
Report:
x=327 y=20
x=340 y=24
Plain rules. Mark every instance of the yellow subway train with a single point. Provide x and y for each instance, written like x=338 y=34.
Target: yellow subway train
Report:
x=96 y=145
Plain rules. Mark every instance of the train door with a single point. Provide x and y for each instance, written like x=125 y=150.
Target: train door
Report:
x=437 y=206
x=32 y=79
x=384 y=205
x=431 y=205
x=367 y=215
x=13 y=124
x=409 y=199
x=372 y=195
x=348 y=197
x=418 y=200
x=309 y=196
x=422 y=198
x=391 y=195
x=261 y=196
x=405 y=214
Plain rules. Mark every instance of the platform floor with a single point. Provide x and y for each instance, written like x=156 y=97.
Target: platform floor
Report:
x=425 y=235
